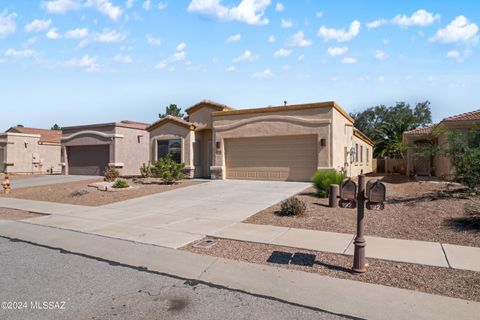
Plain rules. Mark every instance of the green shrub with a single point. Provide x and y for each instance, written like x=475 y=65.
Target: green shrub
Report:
x=322 y=179
x=120 y=183
x=146 y=170
x=168 y=170
x=110 y=174
x=292 y=207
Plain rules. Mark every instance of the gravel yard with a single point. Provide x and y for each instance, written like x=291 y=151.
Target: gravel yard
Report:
x=80 y=194
x=435 y=280
x=413 y=211
x=15 y=214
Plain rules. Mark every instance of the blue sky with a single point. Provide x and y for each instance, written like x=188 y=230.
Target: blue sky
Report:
x=86 y=61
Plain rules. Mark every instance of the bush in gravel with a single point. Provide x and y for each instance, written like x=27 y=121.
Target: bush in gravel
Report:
x=146 y=170
x=168 y=170
x=322 y=179
x=110 y=174
x=78 y=193
x=292 y=207
x=120 y=183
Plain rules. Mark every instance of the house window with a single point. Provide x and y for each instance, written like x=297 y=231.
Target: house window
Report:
x=361 y=154
x=368 y=154
x=356 y=152
x=170 y=147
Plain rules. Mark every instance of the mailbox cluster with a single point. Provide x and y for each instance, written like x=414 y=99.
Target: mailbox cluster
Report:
x=375 y=193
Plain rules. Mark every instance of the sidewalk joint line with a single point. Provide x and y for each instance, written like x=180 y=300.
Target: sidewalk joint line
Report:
x=445 y=255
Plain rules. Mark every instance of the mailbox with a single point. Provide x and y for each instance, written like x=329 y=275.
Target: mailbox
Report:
x=376 y=191
x=348 y=189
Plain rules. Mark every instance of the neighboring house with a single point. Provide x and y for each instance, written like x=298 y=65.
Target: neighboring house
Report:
x=90 y=149
x=274 y=143
x=30 y=150
x=439 y=166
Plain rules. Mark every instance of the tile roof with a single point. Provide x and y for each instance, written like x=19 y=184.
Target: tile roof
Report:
x=52 y=136
x=134 y=124
x=420 y=131
x=472 y=115
x=217 y=105
x=169 y=118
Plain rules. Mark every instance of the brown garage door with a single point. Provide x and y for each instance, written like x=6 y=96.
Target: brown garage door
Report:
x=88 y=160
x=291 y=158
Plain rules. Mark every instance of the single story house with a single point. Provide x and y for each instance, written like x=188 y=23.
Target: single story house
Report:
x=90 y=149
x=288 y=142
x=30 y=150
x=439 y=166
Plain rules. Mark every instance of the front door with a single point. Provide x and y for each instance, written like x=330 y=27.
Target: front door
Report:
x=209 y=159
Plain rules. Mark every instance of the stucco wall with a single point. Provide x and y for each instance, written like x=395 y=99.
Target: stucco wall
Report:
x=132 y=150
x=315 y=121
x=202 y=117
x=342 y=141
x=50 y=156
x=364 y=163
x=171 y=130
x=19 y=151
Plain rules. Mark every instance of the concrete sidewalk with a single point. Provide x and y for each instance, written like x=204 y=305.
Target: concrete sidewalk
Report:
x=344 y=297
x=49 y=179
x=409 y=251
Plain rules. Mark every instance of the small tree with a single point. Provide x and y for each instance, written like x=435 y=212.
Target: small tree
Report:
x=168 y=170
x=171 y=110
x=463 y=149
x=56 y=127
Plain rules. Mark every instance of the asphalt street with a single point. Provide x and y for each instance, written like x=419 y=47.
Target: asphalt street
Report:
x=42 y=283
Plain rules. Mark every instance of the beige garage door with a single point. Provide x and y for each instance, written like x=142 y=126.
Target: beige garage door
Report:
x=291 y=158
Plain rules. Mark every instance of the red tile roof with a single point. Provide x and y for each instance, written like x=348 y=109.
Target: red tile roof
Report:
x=167 y=119
x=472 y=115
x=420 y=131
x=135 y=124
x=52 y=136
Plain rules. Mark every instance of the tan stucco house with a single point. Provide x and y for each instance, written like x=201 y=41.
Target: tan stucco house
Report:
x=439 y=166
x=288 y=142
x=30 y=150
x=90 y=149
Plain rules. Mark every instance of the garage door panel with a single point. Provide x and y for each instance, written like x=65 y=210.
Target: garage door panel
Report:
x=88 y=160
x=271 y=158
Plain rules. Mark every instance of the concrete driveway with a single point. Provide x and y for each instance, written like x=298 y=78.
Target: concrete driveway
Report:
x=49 y=179
x=177 y=217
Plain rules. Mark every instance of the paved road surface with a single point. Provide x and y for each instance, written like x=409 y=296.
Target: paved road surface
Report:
x=45 y=180
x=95 y=289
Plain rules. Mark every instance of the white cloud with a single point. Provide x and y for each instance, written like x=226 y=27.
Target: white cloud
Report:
x=86 y=62
x=147 y=5
x=298 y=40
x=301 y=57
x=453 y=54
x=418 y=18
x=231 y=69
x=349 y=60
x=106 y=7
x=271 y=39
x=282 y=53
x=108 y=36
x=376 y=23
x=161 y=5
x=265 y=74
x=286 y=23
x=129 y=4
x=379 y=54
x=7 y=23
x=53 y=34
x=77 y=33
x=340 y=35
x=152 y=40
x=181 y=46
x=13 y=53
x=459 y=30
x=122 y=58
x=246 y=56
x=247 y=11
x=103 y=6
x=233 y=38
x=61 y=6
x=337 y=51
x=38 y=25
x=176 y=57
x=459 y=56
x=279 y=7
x=319 y=14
